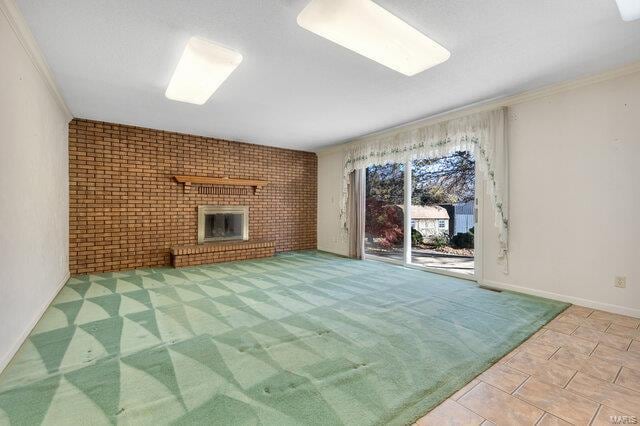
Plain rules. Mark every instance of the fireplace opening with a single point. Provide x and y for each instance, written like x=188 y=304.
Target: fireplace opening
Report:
x=222 y=223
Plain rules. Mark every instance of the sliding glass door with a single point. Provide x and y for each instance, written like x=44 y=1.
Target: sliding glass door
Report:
x=438 y=216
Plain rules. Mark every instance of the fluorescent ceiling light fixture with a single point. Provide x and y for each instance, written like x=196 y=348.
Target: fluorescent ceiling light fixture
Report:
x=629 y=9
x=203 y=67
x=373 y=32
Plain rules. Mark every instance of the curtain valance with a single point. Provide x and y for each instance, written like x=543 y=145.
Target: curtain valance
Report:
x=482 y=132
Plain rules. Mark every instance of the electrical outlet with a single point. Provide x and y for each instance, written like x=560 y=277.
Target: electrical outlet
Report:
x=620 y=282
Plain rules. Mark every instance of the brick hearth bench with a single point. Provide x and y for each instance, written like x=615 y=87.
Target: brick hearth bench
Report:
x=198 y=254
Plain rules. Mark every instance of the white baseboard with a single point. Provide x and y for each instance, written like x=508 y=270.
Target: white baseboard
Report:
x=9 y=356
x=616 y=309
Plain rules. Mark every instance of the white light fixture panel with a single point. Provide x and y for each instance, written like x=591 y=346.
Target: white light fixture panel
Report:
x=203 y=67
x=366 y=28
x=629 y=9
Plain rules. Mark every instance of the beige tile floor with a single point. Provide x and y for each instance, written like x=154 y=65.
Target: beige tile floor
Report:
x=582 y=368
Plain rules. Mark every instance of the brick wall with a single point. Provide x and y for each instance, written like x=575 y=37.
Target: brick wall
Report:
x=126 y=210
x=199 y=254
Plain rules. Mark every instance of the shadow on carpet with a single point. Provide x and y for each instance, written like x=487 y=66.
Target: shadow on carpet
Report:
x=301 y=338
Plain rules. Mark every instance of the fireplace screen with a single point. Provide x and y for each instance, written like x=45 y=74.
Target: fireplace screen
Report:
x=221 y=223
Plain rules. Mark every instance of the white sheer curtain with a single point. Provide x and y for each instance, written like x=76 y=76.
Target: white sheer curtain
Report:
x=484 y=133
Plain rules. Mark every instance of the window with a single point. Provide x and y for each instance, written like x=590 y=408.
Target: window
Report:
x=442 y=224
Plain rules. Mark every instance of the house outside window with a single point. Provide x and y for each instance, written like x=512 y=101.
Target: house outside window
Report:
x=442 y=224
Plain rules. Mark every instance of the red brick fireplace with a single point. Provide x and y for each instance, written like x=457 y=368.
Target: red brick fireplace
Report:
x=127 y=210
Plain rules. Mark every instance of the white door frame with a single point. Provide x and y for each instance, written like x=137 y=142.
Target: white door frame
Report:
x=407 y=213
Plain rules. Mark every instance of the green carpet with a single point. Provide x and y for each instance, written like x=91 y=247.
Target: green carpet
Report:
x=301 y=338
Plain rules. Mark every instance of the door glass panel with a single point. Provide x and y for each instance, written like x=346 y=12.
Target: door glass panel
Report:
x=384 y=218
x=442 y=219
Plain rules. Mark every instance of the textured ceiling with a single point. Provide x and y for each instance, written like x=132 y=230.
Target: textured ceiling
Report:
x=113 y=60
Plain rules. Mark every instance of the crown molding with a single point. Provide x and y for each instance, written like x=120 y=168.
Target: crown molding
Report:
x=19 y=26
x=488 y=104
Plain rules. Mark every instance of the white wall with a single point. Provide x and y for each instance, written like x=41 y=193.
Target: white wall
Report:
x=34 y=225
x=575 y=197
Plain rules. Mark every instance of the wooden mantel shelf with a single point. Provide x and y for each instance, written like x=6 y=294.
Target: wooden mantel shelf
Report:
x=257 y=184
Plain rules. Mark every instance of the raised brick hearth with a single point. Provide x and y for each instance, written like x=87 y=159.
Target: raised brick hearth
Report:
x=127 y=210
x=198 y=254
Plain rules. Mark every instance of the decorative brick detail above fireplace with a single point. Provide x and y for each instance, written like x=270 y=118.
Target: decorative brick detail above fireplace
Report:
x=198 y=254
x=127 y=210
